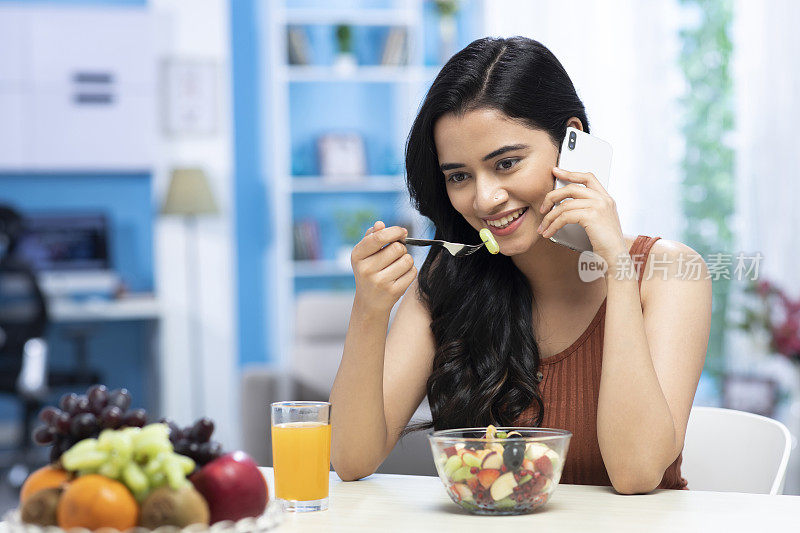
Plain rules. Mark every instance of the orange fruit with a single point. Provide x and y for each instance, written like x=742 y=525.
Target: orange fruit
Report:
x=47 y=477
x=94 y=501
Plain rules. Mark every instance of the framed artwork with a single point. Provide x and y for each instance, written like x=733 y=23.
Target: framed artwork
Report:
x=342 y=157
x=190 y=97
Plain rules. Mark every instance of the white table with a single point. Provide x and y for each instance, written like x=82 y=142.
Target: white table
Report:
x=385 y=502
x=133 y=307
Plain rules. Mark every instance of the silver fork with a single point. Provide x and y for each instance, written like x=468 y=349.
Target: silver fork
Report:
x=456 y=250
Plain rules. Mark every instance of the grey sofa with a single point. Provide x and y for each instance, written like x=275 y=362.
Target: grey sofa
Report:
x=321 y=320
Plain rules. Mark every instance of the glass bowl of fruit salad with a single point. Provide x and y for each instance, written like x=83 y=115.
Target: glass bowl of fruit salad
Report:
x=500 y=471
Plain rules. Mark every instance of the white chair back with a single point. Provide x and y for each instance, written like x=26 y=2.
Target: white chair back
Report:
x=734 y=451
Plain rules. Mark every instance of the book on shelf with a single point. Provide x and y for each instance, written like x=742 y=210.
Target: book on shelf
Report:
x=395 y=50
x=297 y=45
x=307 y=245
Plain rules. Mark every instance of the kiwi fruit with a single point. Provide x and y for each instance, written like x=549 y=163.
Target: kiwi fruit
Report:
x=167 y=507
x=40 y=507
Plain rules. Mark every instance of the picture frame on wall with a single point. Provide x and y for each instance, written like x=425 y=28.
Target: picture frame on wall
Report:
x=189 y=97
x=342 y=157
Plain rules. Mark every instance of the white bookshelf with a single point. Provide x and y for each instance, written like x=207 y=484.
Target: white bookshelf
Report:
x=361 y=184
x=354 y=17
x=411 y=81
x=365 y=74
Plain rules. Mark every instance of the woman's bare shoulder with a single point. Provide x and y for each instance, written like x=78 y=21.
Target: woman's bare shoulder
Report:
x=672 y=262
x=672 y=247
x=662 y=245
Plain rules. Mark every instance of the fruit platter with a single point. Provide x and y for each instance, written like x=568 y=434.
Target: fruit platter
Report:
x=112 y=470
x=500 y=471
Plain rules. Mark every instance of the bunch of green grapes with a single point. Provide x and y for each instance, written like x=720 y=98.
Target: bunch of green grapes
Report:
x=141 y=458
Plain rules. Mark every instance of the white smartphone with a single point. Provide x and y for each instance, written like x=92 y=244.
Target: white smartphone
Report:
x=581 y=152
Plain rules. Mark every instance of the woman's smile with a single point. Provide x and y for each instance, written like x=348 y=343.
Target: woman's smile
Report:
x=507 y=224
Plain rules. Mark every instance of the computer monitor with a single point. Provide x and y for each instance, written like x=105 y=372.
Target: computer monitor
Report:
x=58 y=242
x=70 y=253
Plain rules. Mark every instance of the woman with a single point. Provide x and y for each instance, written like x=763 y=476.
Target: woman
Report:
x=518 y=338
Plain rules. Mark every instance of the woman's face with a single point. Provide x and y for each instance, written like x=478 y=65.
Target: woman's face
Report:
x=497 y=172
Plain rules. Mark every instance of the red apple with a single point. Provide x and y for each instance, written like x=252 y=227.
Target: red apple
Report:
x=233 y=486
x=544 y=465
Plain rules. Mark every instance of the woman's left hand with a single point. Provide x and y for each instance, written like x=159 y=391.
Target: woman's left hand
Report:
x=591 y=207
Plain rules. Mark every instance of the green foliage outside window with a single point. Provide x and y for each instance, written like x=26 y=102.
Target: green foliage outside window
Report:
x=707 y=195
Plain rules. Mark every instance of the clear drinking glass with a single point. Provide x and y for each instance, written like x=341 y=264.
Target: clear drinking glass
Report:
x=301 y=454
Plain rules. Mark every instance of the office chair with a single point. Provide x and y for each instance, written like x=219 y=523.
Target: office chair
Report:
x=23 y=320
x=23 y=350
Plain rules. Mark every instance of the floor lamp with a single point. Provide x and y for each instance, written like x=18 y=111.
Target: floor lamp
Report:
x=189 y=196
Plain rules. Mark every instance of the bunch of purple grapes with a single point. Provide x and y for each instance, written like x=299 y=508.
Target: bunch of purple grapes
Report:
x=84 y=416
x=195 y=441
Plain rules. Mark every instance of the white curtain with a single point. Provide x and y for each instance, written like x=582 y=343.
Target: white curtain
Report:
x=622 y=56
x=767 y=79
x=766 y=71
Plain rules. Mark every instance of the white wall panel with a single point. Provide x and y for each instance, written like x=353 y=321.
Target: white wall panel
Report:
x=79 y=89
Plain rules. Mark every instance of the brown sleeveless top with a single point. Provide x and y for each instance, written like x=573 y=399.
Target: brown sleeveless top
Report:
x=570 y=388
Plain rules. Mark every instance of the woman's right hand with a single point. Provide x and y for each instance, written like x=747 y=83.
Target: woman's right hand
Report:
x=382 y=267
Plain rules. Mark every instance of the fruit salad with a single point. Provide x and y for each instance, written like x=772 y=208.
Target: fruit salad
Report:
x=500 y=473
x=111 y=469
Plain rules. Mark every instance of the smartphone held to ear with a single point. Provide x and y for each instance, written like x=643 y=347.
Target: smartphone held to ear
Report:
x=581 y=152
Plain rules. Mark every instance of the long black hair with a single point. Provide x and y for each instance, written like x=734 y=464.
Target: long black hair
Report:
x=486 y=358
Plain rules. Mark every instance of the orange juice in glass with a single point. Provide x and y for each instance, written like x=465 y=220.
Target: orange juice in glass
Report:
x=301 y=454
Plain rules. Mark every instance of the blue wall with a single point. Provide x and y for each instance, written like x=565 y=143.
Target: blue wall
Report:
x=250 y=195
